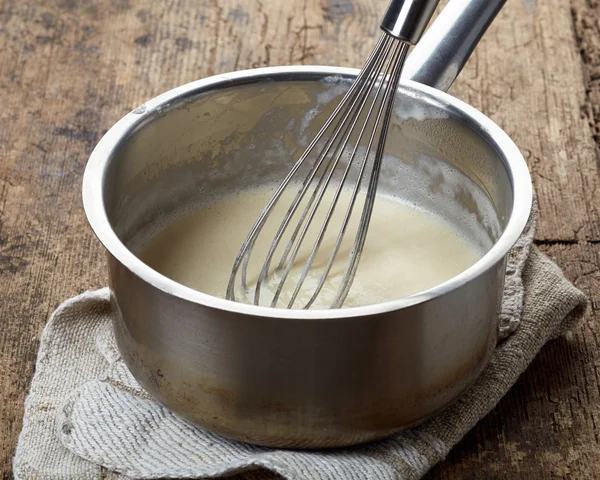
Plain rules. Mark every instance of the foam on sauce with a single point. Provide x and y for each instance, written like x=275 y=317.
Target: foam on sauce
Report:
x=407 y=250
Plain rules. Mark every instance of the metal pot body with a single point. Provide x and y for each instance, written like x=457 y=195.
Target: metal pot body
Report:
x=302 y=379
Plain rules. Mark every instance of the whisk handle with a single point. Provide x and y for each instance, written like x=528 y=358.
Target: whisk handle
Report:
x=441 y=54
x=408 y=19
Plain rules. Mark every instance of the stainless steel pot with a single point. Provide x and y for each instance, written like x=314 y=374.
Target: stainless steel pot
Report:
x=307 y=378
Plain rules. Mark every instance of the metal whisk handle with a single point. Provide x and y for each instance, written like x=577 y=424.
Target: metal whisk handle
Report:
x=406 y=20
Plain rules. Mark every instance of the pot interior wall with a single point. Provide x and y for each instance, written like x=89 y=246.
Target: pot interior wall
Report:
x=220 y=141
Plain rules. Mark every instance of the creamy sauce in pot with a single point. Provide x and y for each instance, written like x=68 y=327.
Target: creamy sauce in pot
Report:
x=407 y=250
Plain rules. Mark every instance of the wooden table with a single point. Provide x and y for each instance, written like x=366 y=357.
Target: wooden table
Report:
x=70 y=68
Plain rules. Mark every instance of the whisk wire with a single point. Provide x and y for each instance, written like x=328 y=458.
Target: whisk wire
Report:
x=361 y=94
x=377 y=67
x=325 y=179
x=400 y=54
x=362 y=117
x=243 y=256
x=349 y=102
x=370 y=198
x=396 y=50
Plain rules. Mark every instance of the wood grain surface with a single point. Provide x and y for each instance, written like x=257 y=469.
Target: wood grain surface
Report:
x=70 y=68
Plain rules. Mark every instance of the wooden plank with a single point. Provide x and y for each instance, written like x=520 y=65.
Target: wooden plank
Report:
x=547 y=425
x=69 y=70
x=587 y=33
x=527 y=76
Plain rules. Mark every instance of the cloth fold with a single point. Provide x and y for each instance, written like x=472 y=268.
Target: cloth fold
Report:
x=87 y=417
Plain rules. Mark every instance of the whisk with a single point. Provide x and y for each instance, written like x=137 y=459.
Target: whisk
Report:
x=362 y=116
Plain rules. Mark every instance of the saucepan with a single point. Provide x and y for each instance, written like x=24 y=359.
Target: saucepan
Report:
x=304 y=378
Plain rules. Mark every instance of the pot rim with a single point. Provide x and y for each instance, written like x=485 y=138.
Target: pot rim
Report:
x=95 y=173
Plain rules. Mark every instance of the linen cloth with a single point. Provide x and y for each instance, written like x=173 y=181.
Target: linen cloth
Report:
x=87 y=418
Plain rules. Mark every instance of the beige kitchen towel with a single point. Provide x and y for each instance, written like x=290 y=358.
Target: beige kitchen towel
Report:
x=87 y=418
